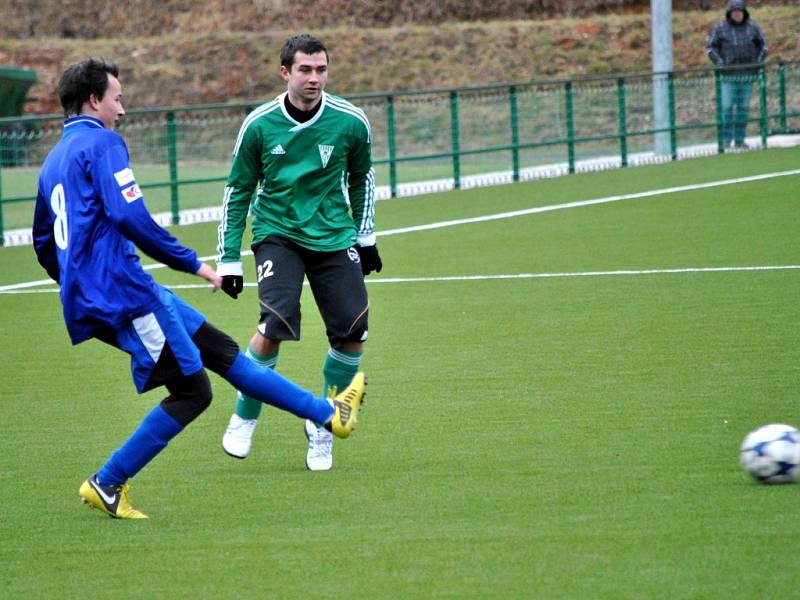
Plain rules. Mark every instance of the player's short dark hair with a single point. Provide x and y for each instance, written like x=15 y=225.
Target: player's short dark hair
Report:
x=305 y=43
x=82 y=79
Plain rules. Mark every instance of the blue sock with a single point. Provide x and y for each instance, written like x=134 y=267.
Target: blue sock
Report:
x=272 y=388
x=151 y=437
x=250 y=408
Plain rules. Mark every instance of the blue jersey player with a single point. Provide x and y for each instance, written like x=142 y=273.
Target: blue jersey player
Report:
x=90 y=215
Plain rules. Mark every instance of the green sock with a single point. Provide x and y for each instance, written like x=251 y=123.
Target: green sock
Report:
x=247 y=407
x=339 y=369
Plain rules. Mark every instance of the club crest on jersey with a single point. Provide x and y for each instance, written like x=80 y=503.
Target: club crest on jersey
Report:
x=278 y=150
x=132 y=193
x=325 y=154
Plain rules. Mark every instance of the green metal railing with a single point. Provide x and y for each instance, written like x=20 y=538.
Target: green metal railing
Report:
x=447 y=138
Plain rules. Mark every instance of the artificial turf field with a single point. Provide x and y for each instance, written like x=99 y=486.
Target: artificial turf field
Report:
x=568 y=431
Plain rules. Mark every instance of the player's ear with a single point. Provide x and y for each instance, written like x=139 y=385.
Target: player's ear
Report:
x=93 y=101
x=284 y=73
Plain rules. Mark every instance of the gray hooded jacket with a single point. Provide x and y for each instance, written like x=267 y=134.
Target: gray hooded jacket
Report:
x=731 y=43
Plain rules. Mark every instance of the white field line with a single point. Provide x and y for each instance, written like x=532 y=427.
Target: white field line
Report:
x=506 y=215
x=371 y=280
x=581 y=203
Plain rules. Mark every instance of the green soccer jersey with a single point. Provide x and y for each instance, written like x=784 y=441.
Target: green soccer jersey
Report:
x=303 y=175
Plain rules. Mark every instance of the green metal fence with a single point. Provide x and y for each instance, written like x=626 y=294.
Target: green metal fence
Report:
x=432 y=140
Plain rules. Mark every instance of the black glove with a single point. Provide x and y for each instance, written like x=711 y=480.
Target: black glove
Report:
x=232 y=285
x=370 y=259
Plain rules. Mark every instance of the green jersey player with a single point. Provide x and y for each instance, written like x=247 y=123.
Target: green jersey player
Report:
x=304 y=160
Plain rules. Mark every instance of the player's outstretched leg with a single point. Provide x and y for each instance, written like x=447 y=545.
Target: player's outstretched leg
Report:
x=114 y=501
x=339 y=414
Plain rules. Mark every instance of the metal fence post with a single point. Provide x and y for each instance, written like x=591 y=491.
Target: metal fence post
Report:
x=762 y=103
x=454 y=140
x=2 y=228
x=392 y=149
x=782 y=96
x=172 y=157
x=512 y=97
x=623 y=123
x=718 y=91
x=673 y=133
x=570 y=127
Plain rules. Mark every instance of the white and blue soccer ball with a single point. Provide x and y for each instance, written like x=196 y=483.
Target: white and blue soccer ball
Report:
x=771 y=453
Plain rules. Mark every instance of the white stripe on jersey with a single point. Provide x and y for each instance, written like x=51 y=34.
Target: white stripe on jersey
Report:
x=262 y=110
x=223 y=223
x=345 y=107
x=150 y=334
x=368 y=216
x=93 y=123
x=343 y=183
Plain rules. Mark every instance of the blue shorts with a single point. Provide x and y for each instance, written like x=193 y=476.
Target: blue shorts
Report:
x=170 y=326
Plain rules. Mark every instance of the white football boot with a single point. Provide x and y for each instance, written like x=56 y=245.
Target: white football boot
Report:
x=238 y=436
x=320 y=448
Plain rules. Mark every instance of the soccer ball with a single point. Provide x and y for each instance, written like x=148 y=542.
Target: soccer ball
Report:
x=771 y=453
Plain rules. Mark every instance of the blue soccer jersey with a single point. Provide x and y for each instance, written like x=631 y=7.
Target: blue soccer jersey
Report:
x=89 y=215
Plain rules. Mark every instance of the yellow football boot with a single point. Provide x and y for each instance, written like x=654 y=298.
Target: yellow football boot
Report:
x=114 y=501
x=346 y=406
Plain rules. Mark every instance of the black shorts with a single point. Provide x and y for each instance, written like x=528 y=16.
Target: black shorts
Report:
x=336 y=281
